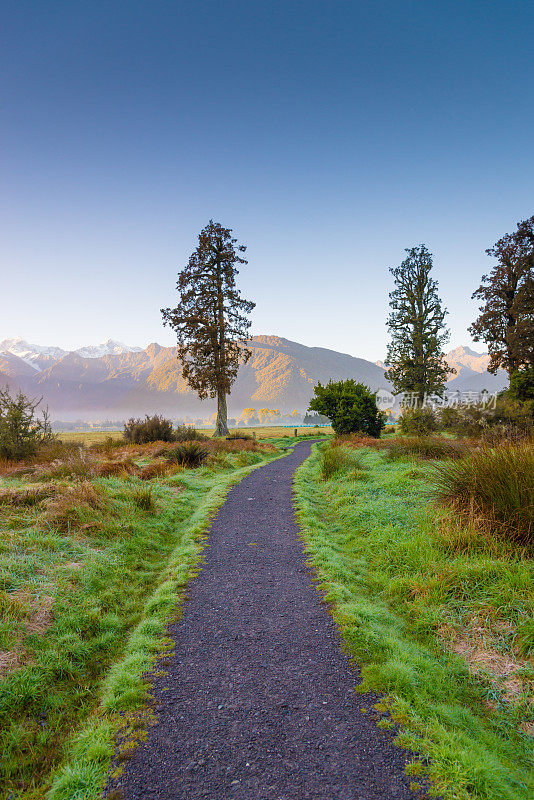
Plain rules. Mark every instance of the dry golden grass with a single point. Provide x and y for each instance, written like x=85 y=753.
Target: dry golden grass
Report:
x=154 y=470
x=28 y=495
x=69 y=509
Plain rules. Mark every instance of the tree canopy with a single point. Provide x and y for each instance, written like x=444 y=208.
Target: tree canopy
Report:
x=506 y=319
x=415 y=357
x=210 y=321
x=350 y=406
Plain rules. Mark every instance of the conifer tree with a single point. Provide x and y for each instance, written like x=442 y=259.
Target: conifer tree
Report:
x=210 y=320
x=415 y=357
x=506 y=319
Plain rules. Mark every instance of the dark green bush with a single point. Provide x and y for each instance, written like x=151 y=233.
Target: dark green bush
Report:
x=351 y=407
x=149 y=429
x=188 y=454
x=522 y=387
x=417 y=421
x=22 y=432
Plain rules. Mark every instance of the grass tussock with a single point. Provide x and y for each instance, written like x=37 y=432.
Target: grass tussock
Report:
x=156 y=469
x=189 y=455
x=118 y=469
x=144 y=500
x=74 y=507
x=494 y=484
x=334 y=459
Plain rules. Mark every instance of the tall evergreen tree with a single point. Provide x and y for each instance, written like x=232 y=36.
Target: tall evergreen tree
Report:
x=415 y=357
x=210 y=320
x=506 y=319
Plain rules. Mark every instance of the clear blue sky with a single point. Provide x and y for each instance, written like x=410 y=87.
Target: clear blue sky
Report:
x=329 y=135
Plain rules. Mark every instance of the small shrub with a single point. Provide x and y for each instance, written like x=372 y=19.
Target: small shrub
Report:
x=184 y=433
x=188 y=454
x=495 y=484
x=510 y=420
x=150 y=429
x=417 y=422
x=21 y=431
x=144 y=500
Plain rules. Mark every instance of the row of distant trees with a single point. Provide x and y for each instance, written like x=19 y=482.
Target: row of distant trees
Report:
x=211 y=319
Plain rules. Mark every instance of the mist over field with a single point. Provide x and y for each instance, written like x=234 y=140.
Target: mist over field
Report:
x=114 y=380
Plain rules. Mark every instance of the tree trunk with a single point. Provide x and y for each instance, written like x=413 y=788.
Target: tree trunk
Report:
x=221 y=426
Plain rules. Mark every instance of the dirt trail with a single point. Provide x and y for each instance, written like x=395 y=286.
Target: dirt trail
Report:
x=259 y=701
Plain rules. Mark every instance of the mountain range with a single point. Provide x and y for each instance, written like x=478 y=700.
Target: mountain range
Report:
x=116 y=380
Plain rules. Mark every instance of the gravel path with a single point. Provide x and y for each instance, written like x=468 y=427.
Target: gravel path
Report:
x=258 y=702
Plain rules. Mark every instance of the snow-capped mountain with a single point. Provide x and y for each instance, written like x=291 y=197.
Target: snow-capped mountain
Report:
x=39 y=357
x=35 y=355
x=108 y=348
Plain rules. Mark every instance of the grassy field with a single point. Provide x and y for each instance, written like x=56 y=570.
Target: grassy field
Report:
x=88 y=438
x=93 y=560
x=438 y=612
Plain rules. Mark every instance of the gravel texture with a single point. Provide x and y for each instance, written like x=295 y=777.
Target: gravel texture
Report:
x=258 y=702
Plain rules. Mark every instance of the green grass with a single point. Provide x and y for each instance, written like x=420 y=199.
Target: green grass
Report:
x=409 y=584
x=101 y=569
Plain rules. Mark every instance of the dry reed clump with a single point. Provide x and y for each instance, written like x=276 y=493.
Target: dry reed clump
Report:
x=80 y=464
x=12 y=469
x=426 y=447
x=120 y=469
x=108 y=447
x=154 y=470
x=27 y=495
x=57 y=450
x=69 y=508
x=10 y=660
